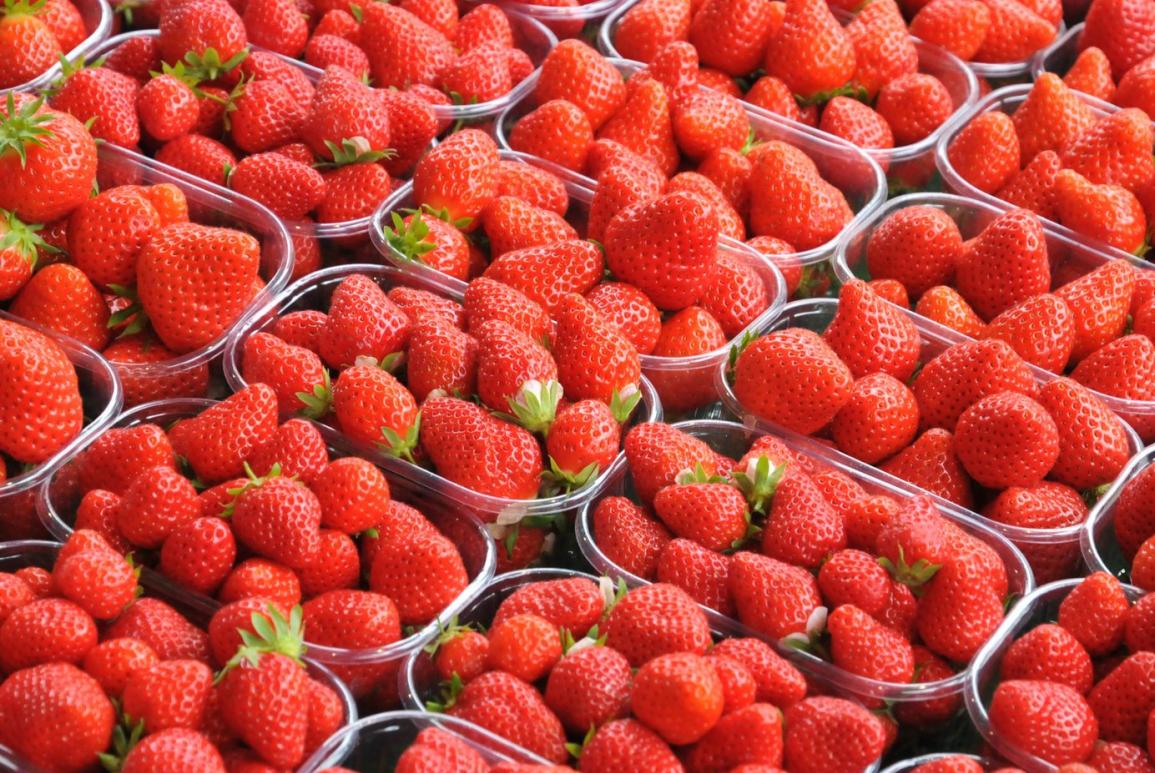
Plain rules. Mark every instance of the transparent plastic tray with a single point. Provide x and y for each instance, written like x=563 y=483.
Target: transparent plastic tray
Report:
x=1059 y=56
x=733 y=440
x=1004 y=73
x=913 y=161
x=815 y=314
x=1039 y=607
x=1007 y=100
x=98 y=23
x=18 y=555
x=972 y=216
x=1101 y=550
x=313 y=292
x=58 y=499
x=905 y=766
x=677 y=371
x=103 y=398
x=418 y=678
x=375 y=743
x=212 y=205
x=573 y=21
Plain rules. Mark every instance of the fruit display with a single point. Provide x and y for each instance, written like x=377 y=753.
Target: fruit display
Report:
x=1077 y=162
x=37 y=35
x=1062 y=305
x=146 y=682
x=788 y=189
x=886 y=596
x=1068 y=678
x=874 y=84
x=681 y=287
x=402 y=392
x=976 y=427
x=645 y=670
x=229 y=503
x=415 y=740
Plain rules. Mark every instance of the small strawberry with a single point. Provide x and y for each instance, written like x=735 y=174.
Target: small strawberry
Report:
x=1108 y=213
x=879 y=420
x=217 y=441
x=1034 y=187
x=576 y=72
x=959 y=26
x=643 y=125
x=944 y=305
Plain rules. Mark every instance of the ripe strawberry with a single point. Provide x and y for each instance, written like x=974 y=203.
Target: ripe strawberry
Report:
x=1014 y=243
x=1007 y=439
x=402 y=48
x=483 y=24
x=486 y=299
x=458 y=176
x=1122 y=29
x=944 y=305
x=43 y=631
x=712 y=514
x=1034 y=187
x=1023 y=712
x=732 y=34
x=575 y=604
x=422 y=574
x=1122 y=699
x=354 y=619
x=157 y=502
x=417 y=303
x=643 y=125
x=679 y=695
x=60 y=297
x=1041 y=330
x=99 y=580
x=824 y=733
x=1108 y=213
x=629 y=537
x=280 y=519
x=1099 y=300
x=1015 y=33
x=879 y=419
x=575 y=72
x=440 y=357
x=217 y=441
x=1093 y=443
x=1121 y=368
x=647 y=27
x=773 y=598
x=112 y=661
x=790 y=201
x=630 y=627
x=198 y=27
x=793 y=378
x=919 y=246
x=1095 y=613
x=353 y=191
x=1051 y=117
x=701 y=573
x=503 y=704
x=173 y=749
x=884 y=51
x=959 y=610
x=594 y=359
x=199 y=554
x=986 y=151
x=856 y=123
x=362 y=322
x=657 y=453
x=109 y=255
x=959 y=26
x=164 y=629
x=557 y=131
x=863 y=646
x=198 y=155
x=479 y=451
x=30 y=47
x=462 y=652
x=871 y=336
x=287 y=187
x=1045 y=506
x=803 y=528
x=525 y=646
x=297 y=375
x=549 y=270
x=1049 y=653
x=811 y=52
x=1114 y=150
x=584 y=439
x=1090 y=73
x=532 y=185
x=264 y=700
x=107 y=98
x=589 y=687
x=53 y=701
x=169 y=694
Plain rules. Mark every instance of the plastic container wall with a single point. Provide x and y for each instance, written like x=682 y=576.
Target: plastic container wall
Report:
x=1059 y=56
x=1101 y=550
x=671 y=376
x=733 y=440
x=1049 y=545
x=98 y=19
x=905 y=766
x=911 y=164
x=1068 y=252
x=1039 y=607
x=58 y=499
x=101 y=394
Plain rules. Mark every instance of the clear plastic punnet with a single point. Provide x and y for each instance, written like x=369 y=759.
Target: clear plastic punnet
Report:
x=1101 y=550
x=733 y=440
x=1050 y=545
x=582 y=20
x=1070 y=251
x=209 y=204
x=1007 y=100
x=1059 y=56
x=906 y=766
x=666 y=373
x=912 y=164
x=58 y=498
x=1041 y=606
x=377 y=742
x=101 y=394
x=27 y=553
x=98 y=23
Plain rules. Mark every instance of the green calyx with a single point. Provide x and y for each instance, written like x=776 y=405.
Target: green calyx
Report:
x=271 y=633
x=21 y=237
x=593 y=638
x=575 y=749
x=23 y=127
x=132 y=317
x=254 y=482
x=698 y=474
x=402 y=447
x=623 y=403
x=759 y=482
x=913 y=575
x=14 y=8
x=185 y=74
x=209 y=66
x=852 y=90
x=535 y=405
x=556 y=480
x=450 y=690
x=354 y=150
x=460 y=223
x=316 y=403
x=409 y=239
x=736 y=351
x=125 y=736
x=447 y=633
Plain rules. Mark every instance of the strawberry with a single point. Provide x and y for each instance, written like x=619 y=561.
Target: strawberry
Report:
x=1099 y=300
x=824 y=733
x=1007 y=439
x=373 y=407
x=732 y=34
x=631 y=311
x=362 y=322
x=1122 y=699
x=630 y=628
x=353 y=191
x=287 y=187
x=507 y=706
x=643 y=125
x=575 y=72
x=1093 y=443
x=1049 y=653
x=458 y=175
x=856 y=578
x=29 y=43
x=811 y=52
x=60 y=297
x=773 y=598
x=918 y=245
x=1108 y=213
x=1041 y=330
x=884 y=51
x=792 y=377
x=585 y=433
x=297 y=446
x=589 y=687
x=109 y=256
x=49 y=702
x=871 y=336
x=49 y=159
x=161 y=627
x=167 y=106
x=1114 y=150
x=594 y=360
x=914 y=105
x=280 y=519
x=629 y=537
x=217 y=441
x=264 y=700
x=1122 y=29
x=879 y=419
x=402 y=48
x=1090 y=73
x=679 y=695
x=157 y=502
x=44 y=631
x=525 y=646
x=532 y=185
x=790 y=201
x=986 y=151
x=485 y=23
x=557 y=131
x=296 y=374
x=1051 y=117
x=168 y=694
x=354 y=619
x=856 y=123
x=100 y=581
x=264 y=116
x=422 y=574
x=647 y=27
x=712 y=514
x=199 y=26
x=1015 y=33
x=944 y=305
x=959 y=26
x=575 y=604
x=479 y=451
x=199 y=554
x=461 y=652
x=863 y=646
x=657 y=453
x=1047 y=505
x=198 y=155
x=1014 y=243
x=701 y=573
x=1034 y=187
x=106 y=97
x=621 y=185
x=173 y=749
x=112 y=661
x=1095 y=613
x=708 y=121
x=1023 y=712
x=958 y=611
x=1122 y=368
x=545 y=273
x=440 y=357
x=803 y=527
x=486 y=299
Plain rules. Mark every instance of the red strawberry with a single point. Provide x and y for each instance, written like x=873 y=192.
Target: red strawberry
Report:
x=43 y=631
x=958 y=611
x=773 y=598
x=986 y=151
x=459 y=175
x=200 y=156
x=199 y=554
x=287 y=187
x=1050 y=653
x=1023 y=712
x=879 y=420
x=157 y=502
x=871 y=336
x=296 y=374
x=111 y=662
x=169 y=694
x=1093 y=443
x=1108 y=213
x=372 y=406
x=575 y=72
x=1122 y=368
x=1045 y=506
x=1034 y=187
x=442 y=357
x=280 y=519
x=646 y=28
x=362 y=321
x=264 y=700
x=60 y=297
x=790 y=201
x=1051 y=117
x=526 y=646
x=712 y=514
x=589 y=687
x=547 y=272
x=558 y=131
x=732 y=34
x=486 y=299
x=945 y=306
x=354 y=619
x=919 y=246
x=959 y=26
x=98 y=579
x=657 y=453
x=33 y=46
x=575 y=604
x=594 y=359
x=679 y=695
x=1041 y=330
x=630 y=627
x=1095 y=612
x=422 y=574
x=629 y=537
x=1014 y=243
x=1007 y=439
x=811 y=52
x=1115 y=150
x=511 y=708
x=825 y=733
x=584 y=439
x=643 y=125
x=1015 y=33
x=856 y=123
x=217 y=441
x=1099 y=300
x=884 y=51
x=402 y=48
x=863 y=646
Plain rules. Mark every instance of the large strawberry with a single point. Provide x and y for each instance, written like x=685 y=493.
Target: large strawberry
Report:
x=773 y=598
x=1123 y=29
x=871 y=335
x=789 y=200
x=594 y=359
x=1005 y=264
x=811 y=52
x=43 y=410
x=986 y=151
x=217 y=442
x=373 y=407
x=402 y=49
x=1007 y=439
x=964 y=373
x=1050 y=118
x=1017 y=714
x=362 y=322
x=575 y=72
x=504 y=704
x=459 y=175
x=1100 y=301
x=1115 y=150
x=1041 y=330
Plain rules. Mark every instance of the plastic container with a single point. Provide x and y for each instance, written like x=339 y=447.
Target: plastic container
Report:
x=1101 y=550
x=213 y=205
x=582 y=20
x=1007 y=73
x=102 y=397
x=972 y=215
x=98 y=22
x=375 y=743
x=669 y=375
x=912 y=164
x=313 y=292
x=1008 y=100
x=418 y=679
x=1039 y=607
x=1059 y=56
x=1051 y=545
x=18 y=555
x=733 y=440
x=57 y=505
x=905 y=766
